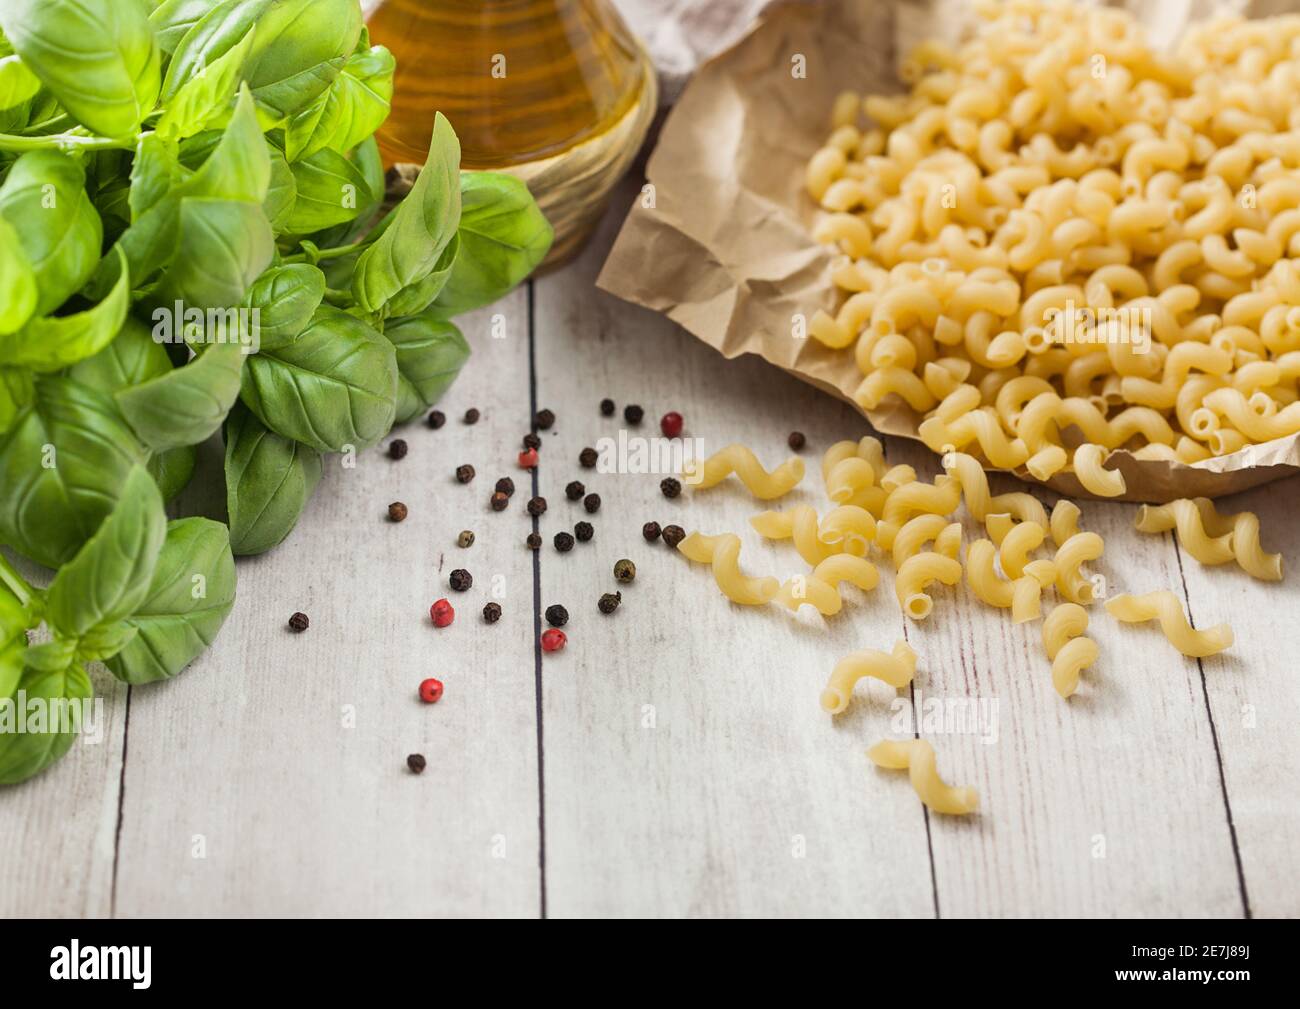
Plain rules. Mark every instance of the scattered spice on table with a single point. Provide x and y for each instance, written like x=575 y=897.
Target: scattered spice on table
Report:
x=563 y=542
x=416 y=763
x=431 y=691
x=574 y=490
x=506 y=486
x=492 y=612
x=396 y=512
x=499 y=501
x=532 y=441
x=650 y=531
x=461 y=580
x=528 y=458
x=674 y=535
x=633 y=414
x=557 y=615
x=553 y=640
x=584 y=531
x=592 y=503
x=796 y=441
x=436 y=419
x=472 y=415
x=587 y=458
x=465 y=539
x=624 y=570
x=607 y=408
x=671 y=487
x=465 y=473
x=544 y=419
x=441 y=613
x=671 y=424
x=609 y=602
x=534 y=541
x=299 y=622
x=397 y=448
x=536 y=506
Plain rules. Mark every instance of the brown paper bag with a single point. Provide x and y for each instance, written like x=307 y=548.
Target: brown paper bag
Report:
x=726 y=249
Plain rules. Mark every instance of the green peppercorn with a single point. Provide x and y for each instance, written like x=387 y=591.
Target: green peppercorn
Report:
x=624 y=571
x=465 y=539
x=609 y=602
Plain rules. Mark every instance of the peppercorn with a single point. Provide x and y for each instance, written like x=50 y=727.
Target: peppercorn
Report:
x=650 y=531
x=506 y=486
x=416 y=763
x=532 y=441
x=536 y=506
x=498 y=501
x=607 y=407
x=674 y=535
x=396 y=511
x=299 y=622
x=671 y=424
x=465 y=539
x=436 y=419
x=472 y=415
x=796 y=440
x=563 y=542
x=587 y=458
x=431 y=691
x=492 y=613
x=553 y=640
x=397 y=449
x=544 y=419
x=633 y=414
x=670 y=486
x=461 y=580
x=592 y=503
x=441 y=613
x=609 y=602
x=534 y=541
x=465 y=473
x=624 y=571
x=528 y=458
x=584 y=531
x=574 y=490
x=557 y=615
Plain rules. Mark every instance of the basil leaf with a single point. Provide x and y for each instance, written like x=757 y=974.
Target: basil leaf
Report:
x=430 y=354
x=411 y=246
x=133 y=357
x=48 y=513
x=44 y=200
x=18 y=85
x=104 y=642
x=154 y=171
x=16 y=394
x=222 y=28
x=186 y=405
x=284 y=298
x=172 y=470
x=350 y=110
x=18 y=282
x=269 y=480
x=224 y=246
x=172 y=19
x=189 y=598
x=330 y=190
x=281 y=192
x=206 y=95
x=503 y=237
x=98 y=57
x=24 y=754
x=335 y=386
x=108 y=578
x=415 y=299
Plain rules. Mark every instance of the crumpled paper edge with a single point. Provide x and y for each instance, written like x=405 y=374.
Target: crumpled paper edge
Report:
x=725 y=250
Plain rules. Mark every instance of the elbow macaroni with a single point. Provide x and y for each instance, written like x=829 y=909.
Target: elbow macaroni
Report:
x=896 y=669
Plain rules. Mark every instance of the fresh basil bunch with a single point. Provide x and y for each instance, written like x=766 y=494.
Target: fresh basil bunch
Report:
x=170 y=171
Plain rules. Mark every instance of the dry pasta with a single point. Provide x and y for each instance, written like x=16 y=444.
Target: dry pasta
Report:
x=1164 y=607
x=896 y=669
x=919 y=572
x=821 y=588
x=916 y=756
x=722 y=553
x=738 y=459
x=1067 y=649
x=1213 y=538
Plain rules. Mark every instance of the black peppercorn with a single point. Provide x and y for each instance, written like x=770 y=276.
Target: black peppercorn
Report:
x=396 y=511
x=584 y=532
x=299 y=622
x=536 y=506
x=574 y=490
x=465 y=539
x=461 y=580
x=499 y=501
x=436 y=419
x=670 y=486
x=796 y=440
x=592 y=503
x=563 y=542
x=609 y=602
x=674 y=535
x=533 y=541
x=465 y=473
x=472 y=415
x=532 y=441
x=557 y=615
x=492 y=613
x=650 y=531
x=397 y=449
x=416 y=763
x=587 y=458
x=506 y=486
x=633 y=414
x=607 y=407
x=624 y=571
x=544 y=419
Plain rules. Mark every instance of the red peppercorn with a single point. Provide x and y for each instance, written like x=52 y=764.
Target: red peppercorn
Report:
x=553 y=640
x=671 y=424
x=441 y=613
x=528 y=458
x=431 y=691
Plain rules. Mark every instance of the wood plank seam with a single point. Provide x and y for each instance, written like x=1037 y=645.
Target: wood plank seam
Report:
x=537 y=616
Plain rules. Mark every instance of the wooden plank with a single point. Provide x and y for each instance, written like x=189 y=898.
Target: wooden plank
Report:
x=1106 y=805
x=689 y=770
x=246 y=756
x=1253 y=694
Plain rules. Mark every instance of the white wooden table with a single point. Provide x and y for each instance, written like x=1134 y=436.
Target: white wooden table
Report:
x=673 y=760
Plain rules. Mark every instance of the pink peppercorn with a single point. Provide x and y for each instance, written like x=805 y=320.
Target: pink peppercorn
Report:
x=441 y=613
x=528 y=458
x=431 y=691
x=553 y=640
x=671 y=424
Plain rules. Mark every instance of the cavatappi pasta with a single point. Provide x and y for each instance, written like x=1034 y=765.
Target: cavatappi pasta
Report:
x=916 y=756
x=1165 y=607
x=1213 y=538
x=1067 y=649
x=1063 y=241
x=896 y=669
